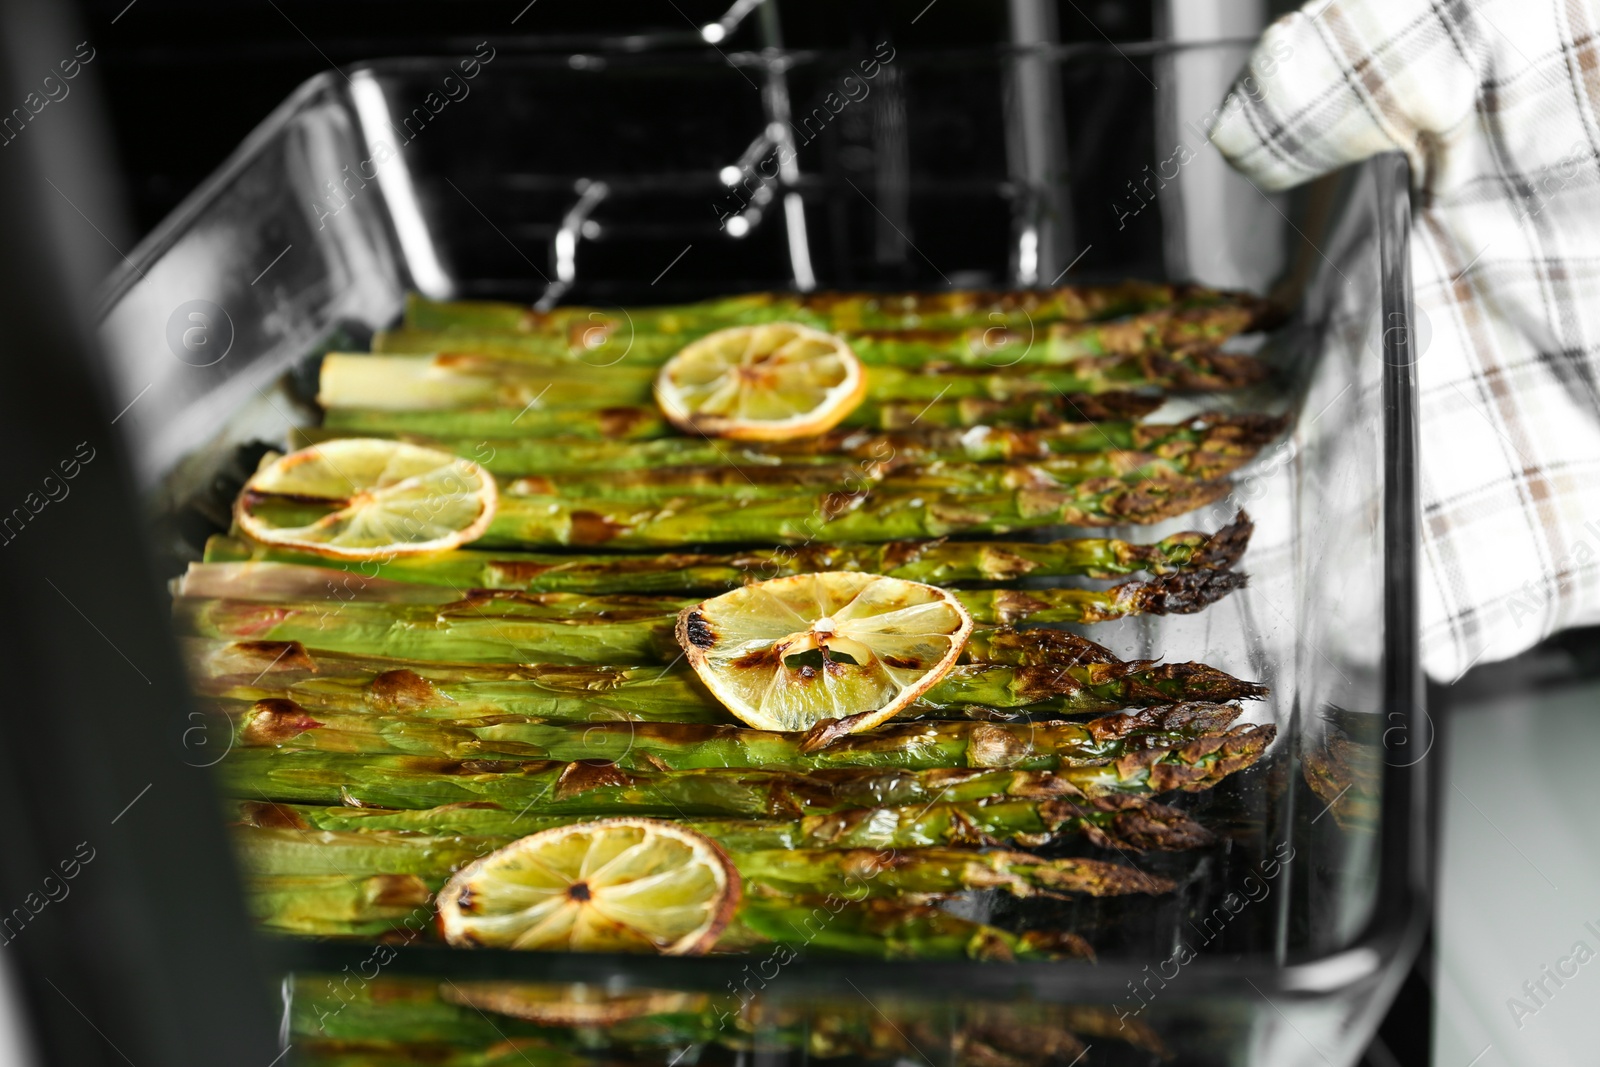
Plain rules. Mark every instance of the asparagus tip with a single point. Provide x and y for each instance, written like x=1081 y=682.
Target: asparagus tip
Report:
x=1160 y=828
x=1225 y=547
x=1042 y=646
x=1236 y=750
x=1204 y=718
x=1203 y=681
x=1111 y=407
x=1205 y=368
x=1180 y=593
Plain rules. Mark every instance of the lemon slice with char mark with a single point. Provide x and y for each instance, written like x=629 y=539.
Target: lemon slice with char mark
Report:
x=612 y=885
x=831 y=653
x=362 y=498
x=772 y=382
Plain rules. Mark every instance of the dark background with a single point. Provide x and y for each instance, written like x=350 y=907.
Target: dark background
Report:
x=185 y=81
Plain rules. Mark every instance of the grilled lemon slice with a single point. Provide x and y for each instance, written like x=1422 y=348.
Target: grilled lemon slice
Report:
x=833 y=653
x=360 y=498
x=612 y=885
x=772 y=382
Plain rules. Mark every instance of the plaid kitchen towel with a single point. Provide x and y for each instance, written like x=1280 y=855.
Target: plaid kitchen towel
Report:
x=1497 y=105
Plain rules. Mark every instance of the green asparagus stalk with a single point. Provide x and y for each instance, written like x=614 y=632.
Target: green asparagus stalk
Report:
x=454 y=381
x=383 y=683
x=536 y=522
x=849 y=513
x=728 y=482
x=577 y=695
x=367 y=906
x=723 y=483
x=646 y=423
x=954 y=309
x=858 y=874
x=985 y=345
x=302 y=588
x=1035 y=344
x=1188 y=370
x=262 y=670
x=286 y=725
x=1175 y=594
x=935 y=562
x=409 y=384
x=731 y=484
x=1207 y=434
x=473 y=631
x=267 y=852
x=406 y=632
x=962 y=341
x=1119 y=822
x=598 y=788
x=972 y=411
x=923 y=873
x=1037 y=671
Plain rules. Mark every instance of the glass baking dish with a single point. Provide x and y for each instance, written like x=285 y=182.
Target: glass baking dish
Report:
x=607 y=179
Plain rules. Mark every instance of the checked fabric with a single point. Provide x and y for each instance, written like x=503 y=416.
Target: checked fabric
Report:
x=1497 y=105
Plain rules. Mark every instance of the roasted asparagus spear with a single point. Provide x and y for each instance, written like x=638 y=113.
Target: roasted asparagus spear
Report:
x=603 y=789
x=284 y=724
x=461 y=382
x=1122 y=822
x=1212 y=434
x=936 y=562
x=953 y=309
